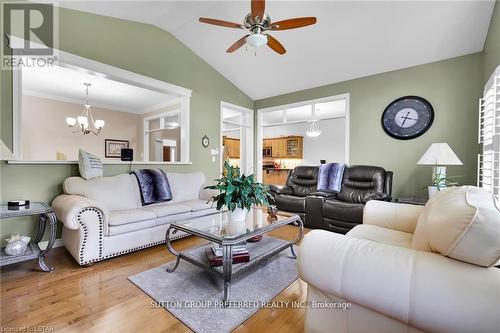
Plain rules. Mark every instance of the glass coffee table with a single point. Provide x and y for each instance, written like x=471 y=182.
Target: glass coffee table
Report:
x=216 y=228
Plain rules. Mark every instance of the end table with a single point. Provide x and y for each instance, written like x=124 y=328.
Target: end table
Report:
x=45 y=215
x=412 y=200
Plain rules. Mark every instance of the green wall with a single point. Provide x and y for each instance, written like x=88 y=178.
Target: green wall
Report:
x=452 y=86
x=491 y=51
x=139 y=48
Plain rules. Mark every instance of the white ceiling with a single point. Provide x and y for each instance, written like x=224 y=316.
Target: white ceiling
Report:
x=352 y=39
x=66 y=84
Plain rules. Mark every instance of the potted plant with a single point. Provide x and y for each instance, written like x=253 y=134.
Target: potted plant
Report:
x=439 y=182
x=238 y=193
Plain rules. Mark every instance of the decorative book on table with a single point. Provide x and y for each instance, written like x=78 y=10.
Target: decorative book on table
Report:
x=237 y=249
x=214 y=260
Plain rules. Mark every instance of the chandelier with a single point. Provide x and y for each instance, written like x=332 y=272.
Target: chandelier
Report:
x=86 y=117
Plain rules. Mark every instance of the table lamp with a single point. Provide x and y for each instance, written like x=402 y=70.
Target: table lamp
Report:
x=439 y=155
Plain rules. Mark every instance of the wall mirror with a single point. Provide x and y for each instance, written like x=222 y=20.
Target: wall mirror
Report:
x=79 y=103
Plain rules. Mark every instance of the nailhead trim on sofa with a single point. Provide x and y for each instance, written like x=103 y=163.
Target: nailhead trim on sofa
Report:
x=101 y=257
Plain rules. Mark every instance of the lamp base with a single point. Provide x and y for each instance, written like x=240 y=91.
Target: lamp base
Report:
x=439 y=172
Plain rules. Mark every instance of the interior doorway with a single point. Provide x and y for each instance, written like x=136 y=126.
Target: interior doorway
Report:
x=236 y=137
x=303 y=133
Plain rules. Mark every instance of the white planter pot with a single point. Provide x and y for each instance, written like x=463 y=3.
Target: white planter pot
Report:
x=432 y=190
x=238 y=214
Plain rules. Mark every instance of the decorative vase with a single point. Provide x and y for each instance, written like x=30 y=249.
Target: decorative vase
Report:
x=239 y=214
x=432 y=190
x=16 y=248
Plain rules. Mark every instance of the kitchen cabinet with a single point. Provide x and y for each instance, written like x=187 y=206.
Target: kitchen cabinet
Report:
x=285 y=147
x=233 y=147
x=275 y=177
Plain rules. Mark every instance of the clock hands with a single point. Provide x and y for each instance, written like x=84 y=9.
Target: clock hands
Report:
x=406 y=118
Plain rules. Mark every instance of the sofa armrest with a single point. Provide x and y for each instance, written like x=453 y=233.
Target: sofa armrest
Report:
x=67 y=207
x=377 y=196
x=396 y=216
x=423 y=289
x=280 y=189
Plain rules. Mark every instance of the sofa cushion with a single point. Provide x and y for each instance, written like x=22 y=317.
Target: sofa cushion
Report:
x=291 y=203
x=462 y=223
x=361 y=181
x=343 y=211
x=381 y=235
x=161 y=210
x=130 y=227
x=115 y=193
x=125 y=216
x=197 y=205
x=185 y=186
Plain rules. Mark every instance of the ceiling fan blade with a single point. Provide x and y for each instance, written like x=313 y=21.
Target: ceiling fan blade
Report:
x=275 y=45
x=258 y=8
x=298 y=22
x=238 y=44
x=221 y=23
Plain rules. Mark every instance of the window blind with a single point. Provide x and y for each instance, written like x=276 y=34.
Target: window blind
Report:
x=489 y=136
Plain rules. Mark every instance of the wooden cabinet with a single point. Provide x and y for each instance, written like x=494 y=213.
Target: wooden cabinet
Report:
x=275 y=177
x=233 y=147
x=285 y=147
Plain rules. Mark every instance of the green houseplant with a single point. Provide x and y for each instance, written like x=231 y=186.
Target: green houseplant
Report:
x=438 y=183
x=238 y=193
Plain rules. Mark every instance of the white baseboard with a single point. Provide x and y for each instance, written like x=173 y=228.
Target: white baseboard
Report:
x=58 y=243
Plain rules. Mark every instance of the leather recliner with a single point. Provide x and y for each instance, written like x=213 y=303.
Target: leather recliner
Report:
x=361 y=183
x=337 y=212
x=301 y=182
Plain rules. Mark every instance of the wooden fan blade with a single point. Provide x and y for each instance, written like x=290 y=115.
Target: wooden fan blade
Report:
x=298 y=22
x=258 y=8
x=220 y=23
x=238 y=44
x=275 y=45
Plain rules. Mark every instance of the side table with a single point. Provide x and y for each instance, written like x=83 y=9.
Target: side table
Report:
x=46 y=216
x=412 y=200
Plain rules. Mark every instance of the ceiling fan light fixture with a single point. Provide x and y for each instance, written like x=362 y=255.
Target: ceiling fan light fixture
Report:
x=257 y=40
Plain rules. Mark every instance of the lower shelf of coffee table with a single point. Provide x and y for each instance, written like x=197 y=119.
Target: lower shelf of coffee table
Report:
x=259 y=251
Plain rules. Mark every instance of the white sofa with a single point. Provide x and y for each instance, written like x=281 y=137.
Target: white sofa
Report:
x=393 y=287
x=104 y=217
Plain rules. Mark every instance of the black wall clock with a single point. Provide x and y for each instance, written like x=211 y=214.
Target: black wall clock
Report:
x=407 y=117
x=205 y=141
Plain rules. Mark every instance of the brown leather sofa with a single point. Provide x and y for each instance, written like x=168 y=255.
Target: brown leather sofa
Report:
x=337 y=212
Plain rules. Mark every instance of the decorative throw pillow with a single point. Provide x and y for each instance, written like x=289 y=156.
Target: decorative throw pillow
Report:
x=462 y=223
x=90 y=165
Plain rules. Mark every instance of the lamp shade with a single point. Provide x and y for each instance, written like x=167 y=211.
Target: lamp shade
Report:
x=439 y=154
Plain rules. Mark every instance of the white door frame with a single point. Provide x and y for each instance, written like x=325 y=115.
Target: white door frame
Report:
x=260 y=126
x=246 y=158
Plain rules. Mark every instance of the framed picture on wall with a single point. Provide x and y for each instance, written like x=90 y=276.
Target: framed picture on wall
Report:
x=113 y=148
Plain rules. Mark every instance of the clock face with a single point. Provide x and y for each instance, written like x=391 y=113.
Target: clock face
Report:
x=407 y=117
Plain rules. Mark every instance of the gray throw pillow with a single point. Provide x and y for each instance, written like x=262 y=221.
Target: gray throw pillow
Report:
x=90 y=165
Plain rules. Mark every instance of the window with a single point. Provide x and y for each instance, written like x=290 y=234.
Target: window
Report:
x=489 y=136
x=162 y=137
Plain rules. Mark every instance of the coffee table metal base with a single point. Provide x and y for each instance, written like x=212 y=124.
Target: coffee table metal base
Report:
x=227 y=270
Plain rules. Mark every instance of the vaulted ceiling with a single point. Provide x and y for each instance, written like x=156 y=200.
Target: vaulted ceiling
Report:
x=351 y=39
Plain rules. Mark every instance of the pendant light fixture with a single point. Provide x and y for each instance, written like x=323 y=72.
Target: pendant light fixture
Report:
x=85 y=117
x=313 y=130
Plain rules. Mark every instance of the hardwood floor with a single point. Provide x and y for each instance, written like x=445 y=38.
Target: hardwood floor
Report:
x=99 y=298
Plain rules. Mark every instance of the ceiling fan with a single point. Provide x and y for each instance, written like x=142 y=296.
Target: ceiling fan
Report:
x=257 y=22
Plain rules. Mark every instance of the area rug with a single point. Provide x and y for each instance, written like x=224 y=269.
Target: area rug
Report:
x=194 y=296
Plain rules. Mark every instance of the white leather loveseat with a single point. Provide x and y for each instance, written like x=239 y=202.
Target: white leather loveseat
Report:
x=104 y=217
x=408 y=268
